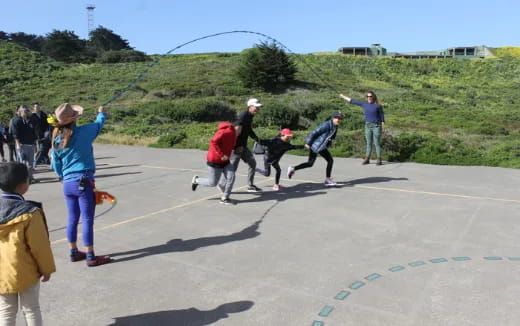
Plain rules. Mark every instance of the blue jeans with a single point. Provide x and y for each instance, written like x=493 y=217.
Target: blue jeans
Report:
x=80 y=203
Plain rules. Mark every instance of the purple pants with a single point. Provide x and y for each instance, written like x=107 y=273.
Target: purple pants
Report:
x=80 y=203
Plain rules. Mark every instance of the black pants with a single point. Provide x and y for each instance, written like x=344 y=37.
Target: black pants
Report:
x=276 y=166
x=12 y=152
x=42 y=157
x=312 y=158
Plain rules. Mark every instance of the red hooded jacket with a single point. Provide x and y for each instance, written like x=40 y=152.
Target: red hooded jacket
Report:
x=221 y=144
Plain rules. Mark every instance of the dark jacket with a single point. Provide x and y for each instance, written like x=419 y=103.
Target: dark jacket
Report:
x=40 y=124
x=276 y=147
x=24 y=131
x=321 y=137
x=245 y=120
x=222 y=143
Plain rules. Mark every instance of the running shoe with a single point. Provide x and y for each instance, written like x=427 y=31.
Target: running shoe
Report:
x=194 y=183
x=260 y=171
x=225 y=200
x=99 y=260
x=290 y=172
x=277 y=187
x=253 y=188
x=329 y=182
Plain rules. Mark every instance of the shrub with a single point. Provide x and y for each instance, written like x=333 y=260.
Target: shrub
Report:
x=122 y=56
x=266 y=66
x=170 y=139
x=278 y=114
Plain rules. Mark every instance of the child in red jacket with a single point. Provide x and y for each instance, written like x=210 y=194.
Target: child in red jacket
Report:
x=220 y=147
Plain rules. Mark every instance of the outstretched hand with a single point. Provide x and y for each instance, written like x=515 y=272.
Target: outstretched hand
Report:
x=346 y=98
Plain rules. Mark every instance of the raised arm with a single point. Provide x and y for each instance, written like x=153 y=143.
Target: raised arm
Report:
x=346 y=98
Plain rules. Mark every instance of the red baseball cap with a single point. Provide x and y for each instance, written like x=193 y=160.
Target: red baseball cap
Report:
x=286 y=132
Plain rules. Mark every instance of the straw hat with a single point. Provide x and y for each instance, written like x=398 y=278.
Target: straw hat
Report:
x=67 y=113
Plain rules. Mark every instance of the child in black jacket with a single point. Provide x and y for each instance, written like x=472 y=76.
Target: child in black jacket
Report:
x=276 y=147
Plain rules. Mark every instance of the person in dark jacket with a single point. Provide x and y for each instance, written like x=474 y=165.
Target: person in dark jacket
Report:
x=9 y=140
x=24 y=133
x=220 y=147
x=317 y=142
x=276 y=147
x=39 y=119
x=374 y=124
x=244 y=130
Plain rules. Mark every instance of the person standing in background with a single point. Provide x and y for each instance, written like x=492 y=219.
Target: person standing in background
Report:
x=374 y=124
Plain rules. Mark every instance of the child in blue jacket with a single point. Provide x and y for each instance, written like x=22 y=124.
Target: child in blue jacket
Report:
x=73 y=162
x=317 y=142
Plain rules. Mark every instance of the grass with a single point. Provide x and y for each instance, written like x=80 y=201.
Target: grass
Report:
x=441 y=111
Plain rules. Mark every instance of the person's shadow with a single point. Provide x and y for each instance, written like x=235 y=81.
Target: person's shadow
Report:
x=300 y=190
x=184 y=317
x=369 y=180
x=179 y=245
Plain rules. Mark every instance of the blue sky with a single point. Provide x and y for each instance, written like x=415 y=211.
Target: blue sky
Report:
x=304 y=26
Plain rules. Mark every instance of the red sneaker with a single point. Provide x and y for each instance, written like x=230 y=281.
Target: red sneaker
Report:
x=78 y=256
x=100 y=260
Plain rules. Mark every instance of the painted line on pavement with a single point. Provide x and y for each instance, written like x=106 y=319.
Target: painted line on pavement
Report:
x=432 y=193
x=344 y=294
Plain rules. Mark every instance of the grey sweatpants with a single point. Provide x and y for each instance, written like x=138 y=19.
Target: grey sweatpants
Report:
x=247 y=157
x=226 y=175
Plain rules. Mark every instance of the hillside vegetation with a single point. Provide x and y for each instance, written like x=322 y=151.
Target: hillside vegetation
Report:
x=440 y=111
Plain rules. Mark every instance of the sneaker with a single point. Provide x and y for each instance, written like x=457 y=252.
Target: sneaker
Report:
x=379 y=162
x=329 y=182
x=290 y=172
x=366 y=161
x=220 y=187
x=253 y=188
x=99 y=260
x=194 y=183
x=78 y=256
x=225 y=200
x=277 y=187
x=260 y=171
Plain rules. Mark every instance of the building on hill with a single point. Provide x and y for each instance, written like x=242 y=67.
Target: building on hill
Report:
x=462 y=52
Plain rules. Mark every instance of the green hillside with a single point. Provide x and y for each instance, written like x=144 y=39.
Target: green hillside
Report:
x=440 y=111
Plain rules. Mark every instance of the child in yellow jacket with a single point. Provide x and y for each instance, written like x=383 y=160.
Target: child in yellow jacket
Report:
x=25 y=250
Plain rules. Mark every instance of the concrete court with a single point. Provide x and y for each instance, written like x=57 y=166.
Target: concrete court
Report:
x=400 y=244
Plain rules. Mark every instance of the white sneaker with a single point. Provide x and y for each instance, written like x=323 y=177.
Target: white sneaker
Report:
x=290 y=172
x=329 y=182
x=277 y=187
x=194 y=182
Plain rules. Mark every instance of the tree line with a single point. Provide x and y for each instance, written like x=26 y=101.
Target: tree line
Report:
x=103 y=46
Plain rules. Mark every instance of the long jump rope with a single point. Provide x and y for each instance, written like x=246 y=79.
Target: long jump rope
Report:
x=112 y=199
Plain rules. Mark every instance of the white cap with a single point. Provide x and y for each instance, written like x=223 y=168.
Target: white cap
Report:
x=253 y=102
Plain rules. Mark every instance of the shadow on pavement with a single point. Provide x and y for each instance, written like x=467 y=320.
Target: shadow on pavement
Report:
x=177 y=245
x=370 y=180
x=300 y=190
x=191 y=316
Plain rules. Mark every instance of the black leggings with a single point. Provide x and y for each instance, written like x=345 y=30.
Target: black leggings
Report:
x=312 y=158
x=276 y=166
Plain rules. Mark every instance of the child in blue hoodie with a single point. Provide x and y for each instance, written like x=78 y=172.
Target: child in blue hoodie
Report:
x=73 y=162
